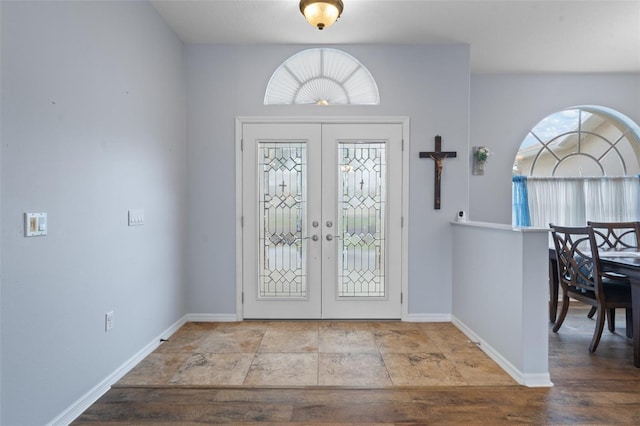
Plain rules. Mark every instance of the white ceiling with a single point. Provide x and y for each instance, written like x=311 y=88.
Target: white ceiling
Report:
x=505 y=36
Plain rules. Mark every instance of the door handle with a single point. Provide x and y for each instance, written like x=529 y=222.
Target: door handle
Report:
x=313 y=237
x=330 y=237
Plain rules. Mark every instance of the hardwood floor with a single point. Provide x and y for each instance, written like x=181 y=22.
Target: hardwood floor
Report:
x=599 y=388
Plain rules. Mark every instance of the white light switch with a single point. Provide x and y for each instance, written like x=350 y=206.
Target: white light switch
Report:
x=35 y=224
x=136 y=217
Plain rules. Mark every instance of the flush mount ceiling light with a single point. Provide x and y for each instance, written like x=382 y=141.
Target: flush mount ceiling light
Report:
x=321 y=13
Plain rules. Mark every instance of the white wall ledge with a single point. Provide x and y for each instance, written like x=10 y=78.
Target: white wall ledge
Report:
x=500 y=226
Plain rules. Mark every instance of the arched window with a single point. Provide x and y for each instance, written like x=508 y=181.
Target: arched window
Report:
x=576 y=165
x=324 y=77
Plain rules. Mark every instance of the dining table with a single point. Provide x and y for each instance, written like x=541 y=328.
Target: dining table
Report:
x=628 y=263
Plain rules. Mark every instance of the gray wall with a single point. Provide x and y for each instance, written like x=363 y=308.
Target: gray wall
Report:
x=93 y=124
x=429 y=84
x=95 y=121
x=504 y=108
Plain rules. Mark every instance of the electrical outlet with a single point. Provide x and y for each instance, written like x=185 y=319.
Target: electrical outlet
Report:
x=108 y=321
x=136 y=217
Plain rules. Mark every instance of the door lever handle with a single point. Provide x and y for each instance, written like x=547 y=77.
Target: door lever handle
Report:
x=330 y=237
x=313 y=237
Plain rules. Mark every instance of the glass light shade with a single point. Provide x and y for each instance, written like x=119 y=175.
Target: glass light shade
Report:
x=321 y=14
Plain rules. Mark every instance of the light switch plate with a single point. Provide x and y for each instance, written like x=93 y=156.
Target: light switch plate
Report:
x=136 y=217
x=35 y=224
x=108 y=321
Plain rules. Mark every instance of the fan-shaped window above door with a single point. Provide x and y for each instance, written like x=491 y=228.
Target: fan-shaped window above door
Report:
x=322 y=76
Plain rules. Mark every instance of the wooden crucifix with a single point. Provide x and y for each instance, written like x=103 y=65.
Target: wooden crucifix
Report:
x=437 y=156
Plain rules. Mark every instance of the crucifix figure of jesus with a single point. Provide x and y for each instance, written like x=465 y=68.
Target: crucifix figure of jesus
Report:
x=437 y=156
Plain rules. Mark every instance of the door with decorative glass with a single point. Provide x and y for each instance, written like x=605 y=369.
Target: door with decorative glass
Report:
x=322 y=212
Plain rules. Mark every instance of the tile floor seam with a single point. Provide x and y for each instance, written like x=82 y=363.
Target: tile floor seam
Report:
x=318 y=355
x=384 y=362
x=255 y=355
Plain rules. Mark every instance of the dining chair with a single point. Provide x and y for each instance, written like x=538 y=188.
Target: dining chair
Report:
x=615 y=236
x=582 y=279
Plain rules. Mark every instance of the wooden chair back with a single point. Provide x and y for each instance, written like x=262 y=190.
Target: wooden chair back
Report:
x=575 y=260
x=616 y=235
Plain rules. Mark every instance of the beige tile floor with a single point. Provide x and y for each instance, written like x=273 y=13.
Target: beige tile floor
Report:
x=317 y=353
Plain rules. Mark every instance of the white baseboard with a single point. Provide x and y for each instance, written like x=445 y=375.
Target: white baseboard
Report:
x=86 y=400
x=428 y=318
x=212 y=317
x=526 y=379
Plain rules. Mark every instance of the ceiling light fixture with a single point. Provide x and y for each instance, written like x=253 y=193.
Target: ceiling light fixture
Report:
x=321 y=13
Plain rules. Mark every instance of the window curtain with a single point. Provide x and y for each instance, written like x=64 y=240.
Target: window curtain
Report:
x=556 y=200
x=612 y=199
x=574 y=201
x=520 y=199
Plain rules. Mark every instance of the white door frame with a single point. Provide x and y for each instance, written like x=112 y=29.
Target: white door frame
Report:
x=403 y=121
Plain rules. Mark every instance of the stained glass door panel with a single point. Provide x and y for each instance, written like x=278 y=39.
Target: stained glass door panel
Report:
x=362 y=188
x=283 y=219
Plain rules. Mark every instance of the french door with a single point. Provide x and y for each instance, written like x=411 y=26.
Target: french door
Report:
x=322 y=213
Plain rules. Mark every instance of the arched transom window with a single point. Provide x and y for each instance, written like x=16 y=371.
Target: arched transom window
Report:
x=322 y=76
x=584 y=141
x=577 y=165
